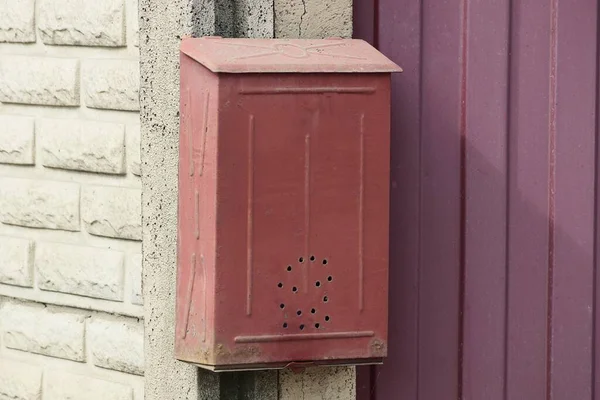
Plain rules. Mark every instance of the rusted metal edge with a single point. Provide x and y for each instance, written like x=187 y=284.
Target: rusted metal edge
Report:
x=283 y=365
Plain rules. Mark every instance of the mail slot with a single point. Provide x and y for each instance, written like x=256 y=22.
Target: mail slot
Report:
x=283 y=203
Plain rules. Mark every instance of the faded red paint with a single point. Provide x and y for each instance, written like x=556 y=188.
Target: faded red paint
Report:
x=283 y=205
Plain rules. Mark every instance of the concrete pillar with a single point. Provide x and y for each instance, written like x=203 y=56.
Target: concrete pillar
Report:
x=162 y=24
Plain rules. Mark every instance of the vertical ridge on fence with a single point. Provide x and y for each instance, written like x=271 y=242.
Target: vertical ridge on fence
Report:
x=526 y=123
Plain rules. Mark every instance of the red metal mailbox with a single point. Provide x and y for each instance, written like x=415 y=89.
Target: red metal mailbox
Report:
x=283 y=203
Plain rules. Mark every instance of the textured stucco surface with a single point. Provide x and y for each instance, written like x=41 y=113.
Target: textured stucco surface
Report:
x=320 y=383
x=162 y=23
x=313 y=18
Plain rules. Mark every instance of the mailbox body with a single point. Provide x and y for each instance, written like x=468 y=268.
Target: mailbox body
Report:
x=283 y=215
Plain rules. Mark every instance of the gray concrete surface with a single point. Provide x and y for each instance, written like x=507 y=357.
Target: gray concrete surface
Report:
x=162 y=24
x=319 y=383
x=313 y=18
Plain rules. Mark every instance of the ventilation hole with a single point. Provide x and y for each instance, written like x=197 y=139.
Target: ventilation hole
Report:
x=280 y=285
x=302 y=327
x=285 y=324
x=317 y=325
x=312 y=258
x=299 y=312
x=325 y=299
x=325 y=261
x=282 y=306
x=327 y=318
x=289 y=268
x=294 y=289
x=301 y=259
x=318 y=283
x=330 y=278
x=313 y=311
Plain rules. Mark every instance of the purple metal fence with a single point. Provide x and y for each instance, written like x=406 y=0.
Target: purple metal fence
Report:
x=494 y=199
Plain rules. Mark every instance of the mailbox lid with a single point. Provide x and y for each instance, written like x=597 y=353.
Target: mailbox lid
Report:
x=287 y=55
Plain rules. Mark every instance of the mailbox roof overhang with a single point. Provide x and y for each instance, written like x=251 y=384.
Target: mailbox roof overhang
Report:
x=333 y=55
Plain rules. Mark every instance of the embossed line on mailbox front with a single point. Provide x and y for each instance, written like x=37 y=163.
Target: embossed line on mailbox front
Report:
x=315 y=122
x=361 y=217
x=190 y=292
x=250 y=217
x=204 y=132
x=309 y=90
x=190 y=295
x=303 y=336
x=188 y=127
x=197 y=155
x=197 y=215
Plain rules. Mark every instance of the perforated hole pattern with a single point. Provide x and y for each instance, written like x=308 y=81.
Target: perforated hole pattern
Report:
x=317 y=316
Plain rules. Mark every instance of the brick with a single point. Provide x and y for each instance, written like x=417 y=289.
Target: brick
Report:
x=16 y=261
x=33 y=328
x=39 y=204
x=39 y=80
x=60 y=385
x=85 y=271
x=20 y=381
x=17 y=21
x=135 y=274
x=117 y=344
x=112 y=212
x=82 y=145
x=16 y=140
x=82 y=22
x=133 y=149
x=112 y=84
x=135 y=23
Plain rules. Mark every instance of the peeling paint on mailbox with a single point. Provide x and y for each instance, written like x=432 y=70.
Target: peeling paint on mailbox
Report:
x=283 y=203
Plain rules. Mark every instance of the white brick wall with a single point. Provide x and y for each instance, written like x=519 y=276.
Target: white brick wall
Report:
x=17 y=140
x=39 y=80
x=16 y=261
x=82 y=146
x=112 y=212
x=20 y=381
x=17 y=23
x=64 y=386
x=135 y=270
x=82 y=22
x=33 y=328
x=70 y=206
x=117 y=344
x=39 y=204
x=112 y=84
x=84 y=271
